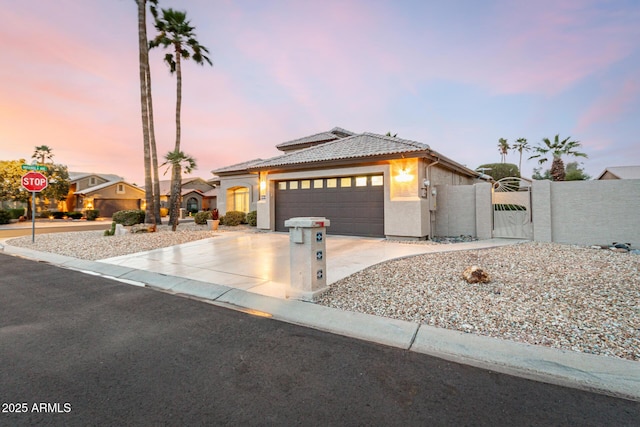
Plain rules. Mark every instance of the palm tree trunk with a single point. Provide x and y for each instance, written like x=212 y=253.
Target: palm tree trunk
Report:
x=154 y=153
x=557 y=169
x=144 y=102
x=176 y=175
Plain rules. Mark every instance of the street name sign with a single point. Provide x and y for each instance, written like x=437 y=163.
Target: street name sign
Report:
x=34 y=168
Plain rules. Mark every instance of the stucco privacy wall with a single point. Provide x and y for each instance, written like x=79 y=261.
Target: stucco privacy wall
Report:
x=464 y=210
x=588 y=212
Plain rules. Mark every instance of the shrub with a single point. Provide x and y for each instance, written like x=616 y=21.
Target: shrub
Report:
x=164 y=212
x=5 y=217
x=74 y=215
x=129 y=217
x=92 y=214
x=252 y=218
x=45 y=214
x=16 y=213
x=111 y=231
x=59 y=215
x=202 y=217
x=500 y=170
x=215 y=214
x=234 y=218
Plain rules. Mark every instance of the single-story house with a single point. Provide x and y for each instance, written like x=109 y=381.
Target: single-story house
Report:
x=365 y=184
x=621 y=172
x=197 y=194
x=105 y=192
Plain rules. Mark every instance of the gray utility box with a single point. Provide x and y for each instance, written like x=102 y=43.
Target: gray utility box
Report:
x=307 y=244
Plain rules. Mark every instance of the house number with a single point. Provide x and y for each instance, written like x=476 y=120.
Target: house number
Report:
x=319 y=255
x=319 y=274
x=319 y=236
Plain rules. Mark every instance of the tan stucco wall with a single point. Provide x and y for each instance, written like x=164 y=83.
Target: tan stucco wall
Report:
x=84 y=183
x=456 y=210
x=248 y=180
x=109 y=192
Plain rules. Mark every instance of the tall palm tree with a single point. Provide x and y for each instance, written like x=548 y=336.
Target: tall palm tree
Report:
x=176 y=32
x=557 y=148
x=521 y=145
x=145 y=104
x=43 y=153
x=503 y=148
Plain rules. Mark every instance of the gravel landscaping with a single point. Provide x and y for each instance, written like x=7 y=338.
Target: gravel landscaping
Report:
x=549 y=294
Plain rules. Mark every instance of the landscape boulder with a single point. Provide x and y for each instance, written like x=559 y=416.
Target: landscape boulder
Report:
x=475 y=274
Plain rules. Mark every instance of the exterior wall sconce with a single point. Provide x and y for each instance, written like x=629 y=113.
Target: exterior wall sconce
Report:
x=404 y=176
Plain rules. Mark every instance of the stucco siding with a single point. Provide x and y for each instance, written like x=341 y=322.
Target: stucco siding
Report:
x=455 y=210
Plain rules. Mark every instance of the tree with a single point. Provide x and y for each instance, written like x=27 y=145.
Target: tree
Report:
x=10 y=181
x=498 y=171
x=176 y=32
x=43 y=153
x=503 y=149
x=521 y=145
x=389 y=134
x=557 y=148
x=573 y=172
x=151 y=178
x=58 y=188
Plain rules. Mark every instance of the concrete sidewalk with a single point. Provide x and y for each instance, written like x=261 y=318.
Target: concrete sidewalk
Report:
x=248 y=271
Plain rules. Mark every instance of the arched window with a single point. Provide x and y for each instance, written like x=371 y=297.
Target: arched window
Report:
x=192 y=205
x=238 y=199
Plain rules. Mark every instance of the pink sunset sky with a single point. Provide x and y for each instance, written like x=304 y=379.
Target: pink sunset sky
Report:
x=457 y=75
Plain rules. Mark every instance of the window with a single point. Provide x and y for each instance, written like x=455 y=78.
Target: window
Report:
x=332 y=182
x=192 y=205
x=305 y=184
x=238 y=199
x=93 y=181
x=318 y=183
x=120 y=189
x=361 y=181
x=282 y=185
x=293 y=185
x=377 y=180
x=345 y=182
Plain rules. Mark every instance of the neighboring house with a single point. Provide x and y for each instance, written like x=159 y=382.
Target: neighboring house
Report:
x=197 y=194
x=105 y=192
x=621 y=172
x=365 y=184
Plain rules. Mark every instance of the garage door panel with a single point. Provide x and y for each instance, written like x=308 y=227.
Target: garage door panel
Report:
x=352 y=210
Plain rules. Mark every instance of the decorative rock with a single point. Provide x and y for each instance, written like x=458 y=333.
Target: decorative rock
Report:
x=596 y=247
x=143 y=228
x=635 y=251
x=120 y=230
x=475 y=274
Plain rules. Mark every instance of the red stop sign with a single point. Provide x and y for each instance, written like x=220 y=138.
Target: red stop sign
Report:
x=34 y=181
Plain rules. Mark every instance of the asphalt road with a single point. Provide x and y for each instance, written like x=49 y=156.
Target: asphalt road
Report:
x=79 y=349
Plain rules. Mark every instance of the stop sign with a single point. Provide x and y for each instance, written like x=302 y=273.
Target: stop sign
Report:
x=34 y=181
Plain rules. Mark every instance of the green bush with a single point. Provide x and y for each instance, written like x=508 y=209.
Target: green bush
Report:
x=5 y=217
x=92 y=214
x=252 y=218
x=500 y=170
x=234 y=218
x=202 y=217
x=59 y=215
x=16 y=213
x=112 y=230
x=74 y=215
x=129 y=217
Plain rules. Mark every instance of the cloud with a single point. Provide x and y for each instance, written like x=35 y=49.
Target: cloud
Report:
x=614 y=103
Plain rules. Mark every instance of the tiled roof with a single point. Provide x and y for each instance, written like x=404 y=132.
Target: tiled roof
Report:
x=332 y=135
x=237 y=167
x=104 y=185
x=75 y=176
x=354 y=147
x=623 y=172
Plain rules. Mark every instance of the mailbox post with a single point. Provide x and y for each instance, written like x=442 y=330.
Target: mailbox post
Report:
x=307 y=244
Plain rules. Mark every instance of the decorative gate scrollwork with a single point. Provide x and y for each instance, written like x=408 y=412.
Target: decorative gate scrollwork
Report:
x=512 y=209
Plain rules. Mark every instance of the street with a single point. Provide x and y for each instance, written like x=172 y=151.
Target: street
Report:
x=79 y=349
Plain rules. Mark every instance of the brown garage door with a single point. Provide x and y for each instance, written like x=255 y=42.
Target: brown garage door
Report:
x=108 y=207
x=353 y=204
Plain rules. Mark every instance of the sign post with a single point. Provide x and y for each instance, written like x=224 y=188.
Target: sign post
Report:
x=34 y=182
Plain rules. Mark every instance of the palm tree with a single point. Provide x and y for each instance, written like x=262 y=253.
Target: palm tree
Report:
x=175 y=31
x=183 y=162
x=503 y=148
x=43 y=153
x=557 y=149
x=521 y=145
x=145 y=104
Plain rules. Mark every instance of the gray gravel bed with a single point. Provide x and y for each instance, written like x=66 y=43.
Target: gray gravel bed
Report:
x=549 y=294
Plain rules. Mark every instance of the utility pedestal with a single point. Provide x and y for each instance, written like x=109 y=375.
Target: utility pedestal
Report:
x=307 y=244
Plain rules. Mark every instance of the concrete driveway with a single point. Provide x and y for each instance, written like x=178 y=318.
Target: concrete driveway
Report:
x=259 y=262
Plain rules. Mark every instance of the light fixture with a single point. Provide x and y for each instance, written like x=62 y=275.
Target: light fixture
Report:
x=404 y=176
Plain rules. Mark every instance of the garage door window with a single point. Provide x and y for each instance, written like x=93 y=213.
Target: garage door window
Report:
x=332 y=182
x=345 y=182
x=282 y=185
x=361 y=181
x=293 y=185
x=318 y=183
x=377 y=180
x=305 y=184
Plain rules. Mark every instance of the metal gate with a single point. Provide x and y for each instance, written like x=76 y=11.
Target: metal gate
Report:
x=512 y=216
